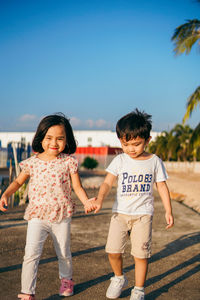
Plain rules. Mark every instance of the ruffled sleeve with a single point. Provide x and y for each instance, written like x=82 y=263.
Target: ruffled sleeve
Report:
x=73 y=165
x=25 y=166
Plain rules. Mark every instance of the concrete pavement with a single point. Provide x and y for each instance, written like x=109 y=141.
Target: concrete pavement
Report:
x=174 y=269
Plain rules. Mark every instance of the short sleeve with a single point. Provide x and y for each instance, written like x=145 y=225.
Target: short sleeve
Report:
x=25 y=166
x=113 y=167
x=73 y=165
x=160 y=171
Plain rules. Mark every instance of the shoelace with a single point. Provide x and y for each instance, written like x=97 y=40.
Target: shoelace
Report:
x=137 y=293
x=116 y=281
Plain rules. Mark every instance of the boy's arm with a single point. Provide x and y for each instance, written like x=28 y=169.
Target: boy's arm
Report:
x=104 y=189
x=12 y=188
x=164 y=194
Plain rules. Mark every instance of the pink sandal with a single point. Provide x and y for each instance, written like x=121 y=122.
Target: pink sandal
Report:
x=26 y=297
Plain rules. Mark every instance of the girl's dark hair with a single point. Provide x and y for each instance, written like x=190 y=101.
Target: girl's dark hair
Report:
x=133 y=125
x=45 y=124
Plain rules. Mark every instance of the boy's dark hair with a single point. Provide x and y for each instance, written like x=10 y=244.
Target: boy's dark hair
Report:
x=45 y=124
x=133 y=125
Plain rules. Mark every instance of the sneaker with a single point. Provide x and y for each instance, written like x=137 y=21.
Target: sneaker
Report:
x=67 y=287
x=115 y=288
x=26 y=297
x=137 y=295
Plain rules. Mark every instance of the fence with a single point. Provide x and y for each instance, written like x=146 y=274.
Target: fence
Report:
x=3 y=158
x=183 y=166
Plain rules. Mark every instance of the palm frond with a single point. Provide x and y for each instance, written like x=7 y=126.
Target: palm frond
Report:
x=185 y=36
x=195 y=138
x=192 y=103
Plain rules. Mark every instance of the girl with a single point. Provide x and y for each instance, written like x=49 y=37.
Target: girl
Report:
x=50 y=205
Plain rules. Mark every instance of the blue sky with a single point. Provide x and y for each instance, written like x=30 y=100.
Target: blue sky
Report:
x=95 y=61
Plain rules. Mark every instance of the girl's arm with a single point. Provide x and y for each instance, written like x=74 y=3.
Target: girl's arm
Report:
x=81 y=194
x=104 y=190
x=12 y=188
x=164 y=194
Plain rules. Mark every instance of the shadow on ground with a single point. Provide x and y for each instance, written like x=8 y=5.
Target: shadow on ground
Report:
x=171 y=248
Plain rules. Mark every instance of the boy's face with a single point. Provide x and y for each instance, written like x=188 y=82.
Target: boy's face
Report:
x=134 y=147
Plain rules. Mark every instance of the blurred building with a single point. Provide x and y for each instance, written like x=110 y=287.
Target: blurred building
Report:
x=102 y=145
x=84 y=138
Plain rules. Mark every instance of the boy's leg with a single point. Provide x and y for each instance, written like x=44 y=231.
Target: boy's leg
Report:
x=116 y=263
x=116 y=241
x=119 y=281
x=117 y=237
x=141 y=266
x=141 y=250
x=36 y=235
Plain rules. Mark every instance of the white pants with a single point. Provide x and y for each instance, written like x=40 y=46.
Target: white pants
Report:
x=37 y=233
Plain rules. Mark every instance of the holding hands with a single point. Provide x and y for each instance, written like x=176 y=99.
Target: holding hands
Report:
x=91 y=205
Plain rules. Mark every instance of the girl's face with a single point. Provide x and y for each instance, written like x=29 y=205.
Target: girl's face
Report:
x=54 y=141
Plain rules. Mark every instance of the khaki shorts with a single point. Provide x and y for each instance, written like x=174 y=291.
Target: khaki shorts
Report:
x=140 y=228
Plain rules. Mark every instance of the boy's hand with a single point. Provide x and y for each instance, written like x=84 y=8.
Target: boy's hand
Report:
x=90 y=205
x=3 y=203
x=98 y=206
x=93 y=204
x=170 y=220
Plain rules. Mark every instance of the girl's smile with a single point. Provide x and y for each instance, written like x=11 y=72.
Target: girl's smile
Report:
x=54 y=142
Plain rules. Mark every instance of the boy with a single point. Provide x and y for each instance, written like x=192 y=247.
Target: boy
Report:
x=136 y=170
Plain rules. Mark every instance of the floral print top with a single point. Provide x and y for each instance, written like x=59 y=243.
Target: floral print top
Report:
x=50 y=187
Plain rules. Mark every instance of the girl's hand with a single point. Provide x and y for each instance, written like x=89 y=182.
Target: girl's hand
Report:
x=170 y=220
x=96 y=205
x=3 y=203
x=90 y=205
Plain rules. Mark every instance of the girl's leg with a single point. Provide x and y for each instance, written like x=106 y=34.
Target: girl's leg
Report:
x=61 y=238
x=141 y=266
x=36 y=235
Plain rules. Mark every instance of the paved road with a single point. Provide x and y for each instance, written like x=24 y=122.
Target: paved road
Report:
x=173 y=269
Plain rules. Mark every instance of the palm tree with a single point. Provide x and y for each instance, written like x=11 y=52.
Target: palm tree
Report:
x=185 y=36
x=192 y=103
x=195 y=141
x=182 y=135
x=174 y=145
x=165 y=146
x=159 y=146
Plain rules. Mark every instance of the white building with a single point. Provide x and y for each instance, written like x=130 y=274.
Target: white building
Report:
x=84 y=138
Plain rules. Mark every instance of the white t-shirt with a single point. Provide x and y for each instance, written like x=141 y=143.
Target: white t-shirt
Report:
x=135 y=183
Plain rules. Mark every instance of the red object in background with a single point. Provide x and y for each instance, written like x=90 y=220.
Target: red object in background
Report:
x=98 y=150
